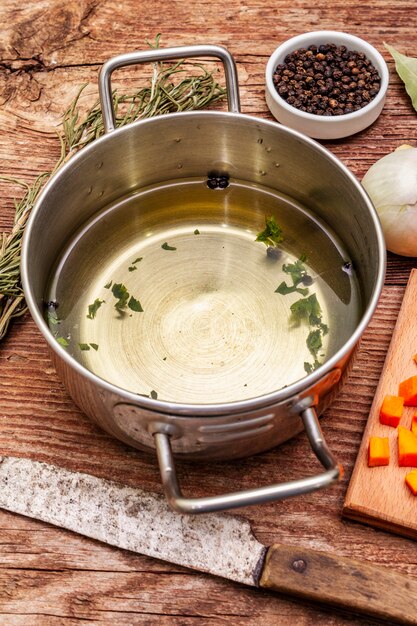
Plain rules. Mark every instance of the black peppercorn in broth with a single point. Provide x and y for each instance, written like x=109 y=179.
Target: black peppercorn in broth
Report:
x=327 y=80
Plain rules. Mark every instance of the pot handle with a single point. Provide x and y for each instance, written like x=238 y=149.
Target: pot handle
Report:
x=179 y=503
x=161 y=54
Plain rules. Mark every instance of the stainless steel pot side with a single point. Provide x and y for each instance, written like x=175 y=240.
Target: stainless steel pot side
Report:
x=147 y=153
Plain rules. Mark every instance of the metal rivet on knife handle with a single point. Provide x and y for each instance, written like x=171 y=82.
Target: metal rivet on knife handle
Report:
x=299 y=565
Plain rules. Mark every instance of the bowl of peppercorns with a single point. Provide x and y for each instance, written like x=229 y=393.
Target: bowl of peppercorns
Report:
x=326 y=84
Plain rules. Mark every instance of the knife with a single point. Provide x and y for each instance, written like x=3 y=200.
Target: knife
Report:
x=218 y=544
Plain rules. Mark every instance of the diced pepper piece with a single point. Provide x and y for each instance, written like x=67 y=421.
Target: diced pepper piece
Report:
x=391 y=410
x=378 y=451
x=414 y=423
x=408 y=390
x=411 y=481
x=407 y=448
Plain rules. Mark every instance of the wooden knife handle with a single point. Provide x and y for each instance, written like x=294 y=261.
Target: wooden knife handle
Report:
x=339 y=581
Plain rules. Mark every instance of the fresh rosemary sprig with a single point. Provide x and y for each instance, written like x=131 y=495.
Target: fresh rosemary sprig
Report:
x=180 y=86
x=12 y=302
x=162 y=96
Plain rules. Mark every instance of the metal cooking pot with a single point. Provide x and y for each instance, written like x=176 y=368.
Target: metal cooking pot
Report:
x=134 y=161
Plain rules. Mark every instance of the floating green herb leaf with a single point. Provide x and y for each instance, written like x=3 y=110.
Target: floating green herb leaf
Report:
x=134 y=305
x=406 y=68
x=298 y=273
x=297 y=270
x=284 y=289
x=108 y=285
x=310 y=367
x=86 y=346
x=196 y=232
x=52 y=318
x=166 y=246
x=272 y=233
x=119 y=290
x=153 y=394
x=63 y=342
x=306 y=309
x=133 y=267
x=124 y=299
x=314 y=341
x=121 y=294
x=93 y=308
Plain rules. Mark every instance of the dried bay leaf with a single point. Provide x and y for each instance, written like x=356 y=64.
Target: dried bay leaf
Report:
x=407 y=70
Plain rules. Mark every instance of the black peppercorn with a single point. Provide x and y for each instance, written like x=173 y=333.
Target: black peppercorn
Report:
x=327 y=80
x=273 y=253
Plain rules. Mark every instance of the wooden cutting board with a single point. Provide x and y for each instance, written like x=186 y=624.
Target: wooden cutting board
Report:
x=379 y=495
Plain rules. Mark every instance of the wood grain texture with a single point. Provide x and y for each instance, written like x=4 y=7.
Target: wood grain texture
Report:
x=48 y=48
x=363 y=588
x=379 y=495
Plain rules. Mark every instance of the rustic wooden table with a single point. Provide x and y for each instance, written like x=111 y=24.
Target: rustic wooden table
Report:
x=49 y=576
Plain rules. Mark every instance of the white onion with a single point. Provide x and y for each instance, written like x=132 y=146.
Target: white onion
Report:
x=391 y=183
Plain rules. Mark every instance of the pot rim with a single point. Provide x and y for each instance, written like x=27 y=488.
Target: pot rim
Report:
x=185 y=409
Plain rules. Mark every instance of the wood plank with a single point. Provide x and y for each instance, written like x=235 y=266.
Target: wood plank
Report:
x=378 y=495
x=47 y=50
x=143 y=597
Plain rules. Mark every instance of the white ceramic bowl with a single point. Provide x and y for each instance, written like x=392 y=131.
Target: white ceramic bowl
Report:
x=318 y=126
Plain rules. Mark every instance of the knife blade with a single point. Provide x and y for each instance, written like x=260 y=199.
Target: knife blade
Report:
x=220 y=544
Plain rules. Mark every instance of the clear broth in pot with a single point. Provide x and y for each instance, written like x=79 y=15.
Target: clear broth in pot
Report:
x=202 y=321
